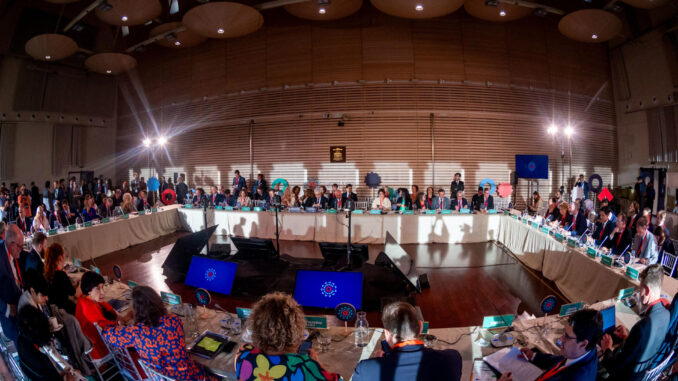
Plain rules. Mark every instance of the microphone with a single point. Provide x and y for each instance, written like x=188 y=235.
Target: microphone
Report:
x=601 y=244
x=568 y=227
x=349 y=204
x=583 y=235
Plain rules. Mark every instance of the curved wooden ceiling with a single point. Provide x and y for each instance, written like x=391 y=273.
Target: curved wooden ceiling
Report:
x=501 y=13
x=418 y=9
x=50 y=47
x=130 y=12
x=336 y=9
x=110 y=63
x=183 y=39
x=590 y=25
x=223 y=20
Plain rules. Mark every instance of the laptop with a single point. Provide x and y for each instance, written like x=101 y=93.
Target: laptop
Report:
x=327 y=289
x=211 y=274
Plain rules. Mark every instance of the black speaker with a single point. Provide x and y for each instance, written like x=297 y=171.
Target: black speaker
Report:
x=177 y=262
x=514 y=177
x=254 y=248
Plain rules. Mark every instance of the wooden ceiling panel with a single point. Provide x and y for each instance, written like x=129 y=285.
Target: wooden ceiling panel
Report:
x=223 y=19
x=337 y=9
x=50 y=47
x=129 y=12
x=180 y=40
x=590 y=25
x=418 y=9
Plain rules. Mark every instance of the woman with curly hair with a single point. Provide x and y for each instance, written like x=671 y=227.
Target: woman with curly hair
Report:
x=127 y=204
x=61 y=290
x=277 y=329
x=157 y=336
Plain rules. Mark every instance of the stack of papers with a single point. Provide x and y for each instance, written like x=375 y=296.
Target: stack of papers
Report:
x=511 y=360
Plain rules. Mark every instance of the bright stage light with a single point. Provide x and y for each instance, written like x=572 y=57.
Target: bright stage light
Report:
x=552 y=129
x=147 y=142
x=162 y=141
x=569 y=131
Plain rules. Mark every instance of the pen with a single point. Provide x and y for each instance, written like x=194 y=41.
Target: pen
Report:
x=524 y=356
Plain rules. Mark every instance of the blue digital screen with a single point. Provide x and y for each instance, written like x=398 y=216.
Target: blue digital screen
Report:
x=608 y=318
x=327 y=289
x=532 y=166
x=211 y=274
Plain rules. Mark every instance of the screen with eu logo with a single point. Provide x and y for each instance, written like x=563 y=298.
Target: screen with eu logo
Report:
x=327 y=289
x=211 y=274
x=532 y=166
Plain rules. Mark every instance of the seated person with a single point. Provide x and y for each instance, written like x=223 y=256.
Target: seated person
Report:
x=337 y=201
x=407 y=359
x=404 y=201
x=61 y=289
x=664 y=244
x=91 y=309
x=142 y=201
x=647 y=213
x=70 y=215
x=420 y=202
x=260 y=194
x=228 y=198
x=477 y=199
x=40 y=221
x=24 y=223
x=578 y=359
x=349 y=194
x=157 y=337
x=277 y=327
x=621 y=240
x=565 y=220
x=634 y=209
x=429 y=196
x=270 y=197
x=35 y=291
x=579 y=224
x=33 y=259
x=199 y=199
x=107 y=209
x=534 y=204
x=381 y=202
x=287 y=200
x=604 y=227
x=631 y=360
x=318 y=201
x=332 y=194
x=215 y=197
x=460 y=202
x=89 y=211
x=34 y=335
x=243 y=201
x=644 y=243
x=552 y=213
x=441 y=202
x=127 y=205
x=58 y=218
x=661 y=222
x=487 y=201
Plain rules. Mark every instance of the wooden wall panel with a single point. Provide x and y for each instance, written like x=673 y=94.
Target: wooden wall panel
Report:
x=337 y=54
x=485 y=51
x=208 y=69
x=246 y=62
x=527 y=55
x=288 y=55
x=387 y=50
x=438 y=49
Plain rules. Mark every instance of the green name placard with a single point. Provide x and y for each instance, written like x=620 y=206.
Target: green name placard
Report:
x=446 y=211
x=228 y=208
x=95 y=269
x=431 y=211
x=424 y=327
x=71 y=228
x=243 y=313
x=258 y=209
x=625 y=293
x=569 y=309
x=571 y=242
x=492 y=211
x=88 y=224
x=465 y=211
x=631 y=273
x=375 y=211
x=545 y=230
x=52 y=232
x=125 y=216
x=534 y=225
x=154 y=210
x=169 y=298
x=132 y=284
x=246 y=209
x=525 y=221
x=331 y=211
x=506 y=212
x=591 y=252
x=77 y=262
x=552 y=233
x=316 y=322
x=490 y=322
x=408 y=212
x=559 y=237
x=515 y=217
x=142 y=212
x=105 y=220
x=357 y=211
x=606 y=260
x=188 y=206
x=219 y=208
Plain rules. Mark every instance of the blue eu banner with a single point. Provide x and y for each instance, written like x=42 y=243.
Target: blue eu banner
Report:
x=532 y=166
x=327 y=289
x=211 y=274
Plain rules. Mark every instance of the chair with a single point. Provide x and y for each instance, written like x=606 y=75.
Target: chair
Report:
x=669 y=263
x=656 y=372
x=11 y=358
x=122 y=359
x=106 y=367
x=152 y=374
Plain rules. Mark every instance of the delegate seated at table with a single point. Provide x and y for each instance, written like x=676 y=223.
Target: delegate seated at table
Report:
x=644 y=243
x=348 y=194
x=403 y=201
x=460 y=202
x=578 y=218
x=158 y=338
x=318 y=201
x=621 y=238
x=441 y=202
x=565 y=220
x=578 y=358
x=408 y=358
x=420 y=203
x=381 y=202
x=641 y=344
x=604 y=228
x=486 y=201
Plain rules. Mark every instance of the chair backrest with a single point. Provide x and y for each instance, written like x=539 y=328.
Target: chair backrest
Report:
x=654 y=373
x=11 y=358
x=122 y=359
x=669 y=263
x=152 y=374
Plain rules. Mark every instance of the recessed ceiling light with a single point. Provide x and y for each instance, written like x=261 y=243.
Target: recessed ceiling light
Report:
x=502 y=13
x=48 y=58
x=419 y=7
x=109 y=71
x=322 y=11
x=177 y=43
x=595 y=36
x=124 y=18
x=220 y=30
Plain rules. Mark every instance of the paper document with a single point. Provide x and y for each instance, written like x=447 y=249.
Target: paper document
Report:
x=510 y=360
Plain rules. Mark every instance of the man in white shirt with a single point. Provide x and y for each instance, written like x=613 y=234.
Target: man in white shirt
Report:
x=381 y=202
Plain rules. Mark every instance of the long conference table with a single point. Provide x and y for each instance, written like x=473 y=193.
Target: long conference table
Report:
x=577 y=276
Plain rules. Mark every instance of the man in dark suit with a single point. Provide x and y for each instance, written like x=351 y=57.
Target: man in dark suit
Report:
x=348 y=194
x=440 y=201
x=337 y=200
x=583 y=185
x=488 y=201
x=10 y=280
x=477 y=199
x=215 y=198
x=107 y=208
x=460 y=202
x=238 y=182
x=641 y=344
x=579 y=220
x=23 y=222
x=181 y=190
x=456 y=185
x=407 y=358
x=621 y=239
x=604 y=227
x=318 y=201
x=578 y=359
x=142 y=201
x=200 y=198
x=33 y=260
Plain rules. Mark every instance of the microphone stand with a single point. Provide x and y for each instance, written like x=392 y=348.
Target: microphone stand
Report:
x=204 y=219
x=276 y=204
x=349 y=204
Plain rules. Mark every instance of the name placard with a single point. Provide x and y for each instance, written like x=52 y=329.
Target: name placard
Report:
x=316 y=322
x=534 y=225
x=132 y=284
x=243 y=313
x=77 y=262
x=105 y=220
x=606 y=260
x=310 y=210
x=331 y=211
x=258 y=209
x=71 y=228
x=52 y=232
x=142 y=212
x=446 y=211
x=169 y=298
x=357 y=211
x=571 y=242
x=431 y=211
x=498 y=321
x=569 y=309
x=228 y=208
x=125 y=216
x=559 y=237
x=246 y=209
x=408 y=212
x=545 y=230
x=424 y=327
x=88 y=224
x=506 y=212
x=492 y=211
x=188 y=206
x=375 y=211
x=632 y=273
x=219 y=207
x=625 y=293
x=515 y=217
x=591 y=252
x=465 y=211
x=154 y=210
x=95 y=269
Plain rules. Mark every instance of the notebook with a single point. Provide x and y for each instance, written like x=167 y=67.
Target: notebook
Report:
x=511 y=360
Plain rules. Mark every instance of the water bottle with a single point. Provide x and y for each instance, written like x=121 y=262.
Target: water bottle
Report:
x=362 y=330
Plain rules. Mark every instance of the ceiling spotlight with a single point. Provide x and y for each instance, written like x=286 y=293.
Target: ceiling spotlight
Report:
x=569 y=131
x=322 y=11
x=147 y=142
x=177 y=43
x=220 y=30
x=552 y=129
x=109 y=71
x=540 y=12
x=48 y=58
x=594 y=36
x=162 y=141
x=502 y=13
x=124 y=18
x=419 y=7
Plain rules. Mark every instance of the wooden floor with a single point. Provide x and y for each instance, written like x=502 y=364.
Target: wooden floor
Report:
x=468 y=281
